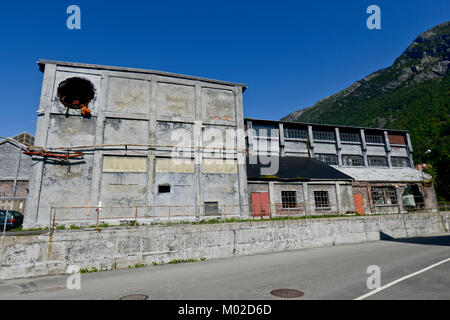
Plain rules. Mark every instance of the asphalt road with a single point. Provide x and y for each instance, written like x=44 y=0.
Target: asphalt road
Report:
x=338 y=272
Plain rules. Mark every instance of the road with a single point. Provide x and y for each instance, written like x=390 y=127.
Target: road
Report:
x=338 y=272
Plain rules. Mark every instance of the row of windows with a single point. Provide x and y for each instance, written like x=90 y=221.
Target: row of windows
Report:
x=380 y=196
x=289 y=199
x=358 y=161
x=327 y=135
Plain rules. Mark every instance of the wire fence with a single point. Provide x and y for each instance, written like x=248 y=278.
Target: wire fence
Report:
x=105 y=216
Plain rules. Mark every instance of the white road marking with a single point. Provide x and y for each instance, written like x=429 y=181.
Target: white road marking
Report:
x=390 y=284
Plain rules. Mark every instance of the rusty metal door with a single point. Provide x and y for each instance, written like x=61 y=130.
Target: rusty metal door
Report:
x=359 y=203
x=260 y=204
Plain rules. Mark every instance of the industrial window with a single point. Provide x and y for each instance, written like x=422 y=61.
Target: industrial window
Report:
x=321 y=199
x=211 y=208
x=265 y=130
x=326 y=135
x=164 y=188
x=288 y=199
x=384 y=196
x=347 y=136
x=330 y=159
x=400 y=161
x=377 y=161
x=295 y=133
x=352 y=160
x=374 y=138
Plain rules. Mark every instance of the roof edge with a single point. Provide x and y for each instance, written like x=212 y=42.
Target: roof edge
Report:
x=43 y=62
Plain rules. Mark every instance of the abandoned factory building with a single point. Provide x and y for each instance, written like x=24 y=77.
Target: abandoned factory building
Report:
x=376 y=166
x=125 y=143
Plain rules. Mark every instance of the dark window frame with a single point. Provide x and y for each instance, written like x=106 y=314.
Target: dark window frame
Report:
x=321 y=199
x=324 y=135
x=352 y=160
x=375 y=161
x=295 y=133
x=327 y=158
x=288 y=199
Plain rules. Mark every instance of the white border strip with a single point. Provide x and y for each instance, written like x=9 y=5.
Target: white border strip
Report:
x=390 y=284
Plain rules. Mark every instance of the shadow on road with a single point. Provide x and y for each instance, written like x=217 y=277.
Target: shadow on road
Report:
x=443 y=240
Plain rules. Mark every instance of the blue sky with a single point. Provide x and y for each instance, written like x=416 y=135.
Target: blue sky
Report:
x=289 y=53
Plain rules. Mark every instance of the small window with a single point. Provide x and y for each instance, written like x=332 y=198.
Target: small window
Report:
x=211 y=208
x=330 y=159
x=384 y=196
x=374 y=138
x=321 y=199
x=288 y=199
x=348 y=136
x=377 y=161
x=291 y=133
x=164 y=188
x=400 y=162
x=352 y=160
x=262 y=130
x=326 y=135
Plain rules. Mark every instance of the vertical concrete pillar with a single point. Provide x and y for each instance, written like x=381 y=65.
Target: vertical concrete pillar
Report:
x=241 y=153
x=306 y=197
x=152 y=141
x=281 y=132
x=42 y=126
x=388 y=148
x=198 y=132
x=273 y=208
x=364 y=147
x=338 y=146
x=311 y=141
x=98 y=154
x=410 y=150
x=338 y=198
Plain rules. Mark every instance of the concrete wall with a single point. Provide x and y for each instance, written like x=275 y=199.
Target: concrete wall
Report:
x=26 y=256
x=15 y=170
x=154 y=110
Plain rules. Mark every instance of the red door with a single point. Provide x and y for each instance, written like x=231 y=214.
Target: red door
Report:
x=260 y=204
x=359 y=203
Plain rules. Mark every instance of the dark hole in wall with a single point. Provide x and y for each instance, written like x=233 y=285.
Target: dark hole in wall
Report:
x=164 y=188
x=76 y=92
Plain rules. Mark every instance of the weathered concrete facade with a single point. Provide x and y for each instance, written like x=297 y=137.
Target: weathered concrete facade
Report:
x=140 y=122
x=379 y=161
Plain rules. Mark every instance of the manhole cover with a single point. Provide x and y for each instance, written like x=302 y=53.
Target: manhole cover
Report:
x=286 y=293
x=135 y=297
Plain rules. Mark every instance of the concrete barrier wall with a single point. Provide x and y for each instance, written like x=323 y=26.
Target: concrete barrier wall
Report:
x=111 y=248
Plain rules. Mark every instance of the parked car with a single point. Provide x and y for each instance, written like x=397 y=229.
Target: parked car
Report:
x=14 y=219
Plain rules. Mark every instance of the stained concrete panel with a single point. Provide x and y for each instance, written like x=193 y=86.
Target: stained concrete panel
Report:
x=218 y=105
x=174 y=165
x=124 y=164
x=124 y=131
x=224 y=189
x=124 y=190
x=225 y=166
x=399 y=152
x=128 y=96
x=63 y=129
x=351 y=149
x=175 y=102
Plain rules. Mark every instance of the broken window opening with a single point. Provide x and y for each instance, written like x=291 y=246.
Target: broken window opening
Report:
x=164 y=188
x=76 y=93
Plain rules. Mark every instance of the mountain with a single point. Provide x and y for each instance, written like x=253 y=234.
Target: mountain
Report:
x=413 y=94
